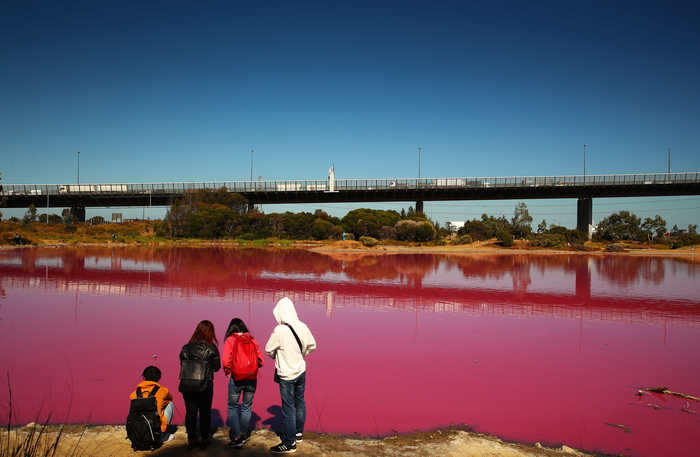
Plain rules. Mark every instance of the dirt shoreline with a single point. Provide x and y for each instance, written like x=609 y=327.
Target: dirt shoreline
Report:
x=110 y=441
x=354 y=247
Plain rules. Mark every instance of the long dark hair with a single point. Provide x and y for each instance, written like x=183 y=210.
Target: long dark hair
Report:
x=236 y=326
x=204 y=333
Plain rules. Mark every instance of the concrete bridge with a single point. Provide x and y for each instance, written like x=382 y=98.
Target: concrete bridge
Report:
x=582 y=187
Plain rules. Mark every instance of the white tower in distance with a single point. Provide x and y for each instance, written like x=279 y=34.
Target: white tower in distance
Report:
x=331 y=179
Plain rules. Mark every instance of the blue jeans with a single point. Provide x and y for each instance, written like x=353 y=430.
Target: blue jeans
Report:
x=293 y=407
x=245 y=389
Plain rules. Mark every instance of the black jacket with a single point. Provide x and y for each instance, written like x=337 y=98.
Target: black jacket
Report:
x=200 y=351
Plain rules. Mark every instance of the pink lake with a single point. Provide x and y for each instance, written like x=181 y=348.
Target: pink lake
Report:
x=526 y=347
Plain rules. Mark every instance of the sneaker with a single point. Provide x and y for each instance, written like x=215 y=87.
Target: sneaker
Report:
x=284 y=448
x=239 y=442
x=299 y=437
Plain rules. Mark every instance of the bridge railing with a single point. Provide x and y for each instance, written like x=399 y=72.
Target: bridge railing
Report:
x=349 y=184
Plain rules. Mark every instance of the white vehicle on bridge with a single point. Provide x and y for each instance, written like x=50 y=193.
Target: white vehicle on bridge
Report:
x=451 y=182
x=287 y=186
x=96 y=188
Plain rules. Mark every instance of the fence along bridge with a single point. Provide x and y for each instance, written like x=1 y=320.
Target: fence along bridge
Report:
x=582 y=187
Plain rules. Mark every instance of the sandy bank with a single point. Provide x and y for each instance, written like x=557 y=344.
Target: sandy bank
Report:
x=110 y=441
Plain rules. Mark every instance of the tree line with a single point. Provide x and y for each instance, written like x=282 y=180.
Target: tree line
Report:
x=216 y=214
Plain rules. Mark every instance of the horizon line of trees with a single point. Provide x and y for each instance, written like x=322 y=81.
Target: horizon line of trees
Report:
x=222 y=214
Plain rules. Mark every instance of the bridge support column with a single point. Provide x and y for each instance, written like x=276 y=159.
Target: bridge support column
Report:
x=78 y=213
x=584 y=214
x=419 y=206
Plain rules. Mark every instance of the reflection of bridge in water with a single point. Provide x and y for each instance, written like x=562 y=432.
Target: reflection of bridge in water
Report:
x=338 y=295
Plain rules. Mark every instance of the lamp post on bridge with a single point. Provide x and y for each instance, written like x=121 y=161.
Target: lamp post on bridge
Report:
x=420 y=149
x=584 y=161
x=78 y=167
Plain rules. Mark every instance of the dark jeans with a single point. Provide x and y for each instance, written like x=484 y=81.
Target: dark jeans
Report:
x=293 y=407
x=198 y=403
x=239 y=413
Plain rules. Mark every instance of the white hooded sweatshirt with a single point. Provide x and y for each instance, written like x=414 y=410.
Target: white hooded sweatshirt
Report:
x=283 y=347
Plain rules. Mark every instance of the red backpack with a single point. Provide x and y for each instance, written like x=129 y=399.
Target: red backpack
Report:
x=245 y=358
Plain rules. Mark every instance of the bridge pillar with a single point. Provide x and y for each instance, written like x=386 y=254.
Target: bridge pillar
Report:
x=419 y=206
x=78 y=213
x=584 y=214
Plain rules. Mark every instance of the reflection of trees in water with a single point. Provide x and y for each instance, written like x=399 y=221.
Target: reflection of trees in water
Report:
x=627 y=270
x=220 y=268
x=409 y=267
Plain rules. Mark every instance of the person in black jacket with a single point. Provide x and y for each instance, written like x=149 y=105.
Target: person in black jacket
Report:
x=199 y=360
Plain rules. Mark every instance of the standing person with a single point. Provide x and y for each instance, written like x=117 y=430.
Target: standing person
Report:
x=290 y=342
x=241 y=359
x=199 y=360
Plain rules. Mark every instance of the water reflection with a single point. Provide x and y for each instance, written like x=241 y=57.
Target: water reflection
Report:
x=530 y=347
x=560 y=285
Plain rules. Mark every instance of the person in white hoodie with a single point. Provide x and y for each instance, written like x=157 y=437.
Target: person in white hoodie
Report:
x=290 y=342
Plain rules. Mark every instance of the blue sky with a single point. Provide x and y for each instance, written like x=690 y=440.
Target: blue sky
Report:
x=180 y=91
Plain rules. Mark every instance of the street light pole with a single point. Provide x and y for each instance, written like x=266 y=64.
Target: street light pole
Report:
x=420 y=149
x=584 y=161
x=78 y=167
x=251 y=164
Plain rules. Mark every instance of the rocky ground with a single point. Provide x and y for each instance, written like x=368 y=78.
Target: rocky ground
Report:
x=110 y=441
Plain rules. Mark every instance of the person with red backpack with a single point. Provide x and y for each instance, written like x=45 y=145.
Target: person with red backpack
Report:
x=242 y=359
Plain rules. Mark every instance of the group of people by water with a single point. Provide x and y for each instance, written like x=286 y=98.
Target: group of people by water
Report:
x=289 y=343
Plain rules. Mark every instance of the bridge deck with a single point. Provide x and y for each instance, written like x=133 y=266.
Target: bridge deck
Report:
x=358 y=190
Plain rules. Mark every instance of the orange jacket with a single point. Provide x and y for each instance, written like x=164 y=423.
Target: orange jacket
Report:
x=163 y=397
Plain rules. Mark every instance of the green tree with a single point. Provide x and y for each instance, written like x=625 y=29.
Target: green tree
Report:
x=495 y=224
x=67 y=216
x=620 y=226
x=368 y=222
x=542 y=227
x=476 y=229
x=30 y=215
x=654 y=228
x=521 y=221
x=692 y=229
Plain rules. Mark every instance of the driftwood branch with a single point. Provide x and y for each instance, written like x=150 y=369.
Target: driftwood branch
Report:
x=664 y=390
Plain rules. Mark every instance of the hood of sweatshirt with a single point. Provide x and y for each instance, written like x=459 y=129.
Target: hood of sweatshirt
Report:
x=284 y=311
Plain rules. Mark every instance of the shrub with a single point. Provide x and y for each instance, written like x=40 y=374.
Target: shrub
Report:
x=408 y=230
x=464 y=239
x=547 y=240
x=505 y=237
x=321 y=229
x=571 y=236
x=368 y=241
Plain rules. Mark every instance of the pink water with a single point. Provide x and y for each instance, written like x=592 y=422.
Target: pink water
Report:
x=531 y=348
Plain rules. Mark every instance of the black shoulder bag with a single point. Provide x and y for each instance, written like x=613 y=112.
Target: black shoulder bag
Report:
x=296 y=337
